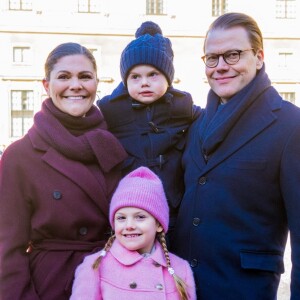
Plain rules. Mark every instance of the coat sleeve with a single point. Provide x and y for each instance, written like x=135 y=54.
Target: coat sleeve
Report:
x=290 y=188
x=196 y=112
x=15 y=212
x=86 y=285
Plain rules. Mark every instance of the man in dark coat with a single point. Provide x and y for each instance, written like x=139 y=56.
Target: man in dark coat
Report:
x=242 y=171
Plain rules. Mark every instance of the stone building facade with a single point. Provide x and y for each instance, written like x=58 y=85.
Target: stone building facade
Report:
x=30 y=29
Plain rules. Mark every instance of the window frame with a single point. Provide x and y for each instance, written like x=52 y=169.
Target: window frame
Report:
x=218 y=7
x=23 y=115
x=21 y=5
x=286 y=9
x=285 y=58
x=89 y=4
x=25 y=54
x=289 y=96
x=156 y=7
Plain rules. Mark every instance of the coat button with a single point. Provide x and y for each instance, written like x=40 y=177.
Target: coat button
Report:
x=159 y=287
x=57 y=195
x=194 y=263
x=133 y=285
x=196 y=221
x=202 y=180
x=83 y=231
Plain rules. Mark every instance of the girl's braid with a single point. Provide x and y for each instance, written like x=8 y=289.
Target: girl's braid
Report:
x=180 y=284
x=103 y=252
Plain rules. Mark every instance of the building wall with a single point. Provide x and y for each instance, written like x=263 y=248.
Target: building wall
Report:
x=49 y=24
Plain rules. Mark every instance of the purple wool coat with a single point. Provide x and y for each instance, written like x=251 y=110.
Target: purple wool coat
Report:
x=127 y=275
x=60 y=205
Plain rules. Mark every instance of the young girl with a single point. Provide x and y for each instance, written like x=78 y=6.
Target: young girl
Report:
x=135 y=262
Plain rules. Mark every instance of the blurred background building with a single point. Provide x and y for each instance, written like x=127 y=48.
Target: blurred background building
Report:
x=30 y=29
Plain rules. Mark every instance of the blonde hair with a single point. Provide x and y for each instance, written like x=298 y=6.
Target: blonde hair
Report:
x=103 y=252
x=235 y=19
x=180 y=284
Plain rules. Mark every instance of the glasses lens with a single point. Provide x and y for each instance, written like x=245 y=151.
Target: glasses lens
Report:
x=211 y=60
x=232 y=57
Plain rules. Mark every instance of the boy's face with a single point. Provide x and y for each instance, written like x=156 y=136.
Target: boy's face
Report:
x=146 y=84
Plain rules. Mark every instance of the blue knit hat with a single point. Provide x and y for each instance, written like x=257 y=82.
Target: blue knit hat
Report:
x=149 y=48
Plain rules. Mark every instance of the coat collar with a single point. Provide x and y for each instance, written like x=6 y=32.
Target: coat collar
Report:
x=217 y=123
x=127 y=257
x=75 y=171
x=254 y=120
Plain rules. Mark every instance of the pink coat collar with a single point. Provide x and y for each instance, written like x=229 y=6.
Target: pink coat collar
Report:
x=127 y=257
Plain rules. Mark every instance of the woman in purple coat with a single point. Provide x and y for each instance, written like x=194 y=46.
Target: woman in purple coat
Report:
x=56 y=183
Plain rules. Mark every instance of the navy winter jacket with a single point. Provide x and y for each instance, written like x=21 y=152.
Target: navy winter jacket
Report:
x=242 y=195
x=153 y=135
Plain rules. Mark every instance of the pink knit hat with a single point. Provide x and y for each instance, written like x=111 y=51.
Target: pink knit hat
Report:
x=142 y=189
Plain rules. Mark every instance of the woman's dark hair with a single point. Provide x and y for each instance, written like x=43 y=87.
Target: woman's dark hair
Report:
x=63 y=50
x=230 y=20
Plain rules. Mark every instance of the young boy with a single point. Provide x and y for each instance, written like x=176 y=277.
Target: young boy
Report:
x=149 y=116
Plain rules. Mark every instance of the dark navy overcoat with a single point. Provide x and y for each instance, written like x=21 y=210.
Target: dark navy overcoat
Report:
x=240 y=202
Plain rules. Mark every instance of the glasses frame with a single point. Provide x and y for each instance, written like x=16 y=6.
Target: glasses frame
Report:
x=223 y=56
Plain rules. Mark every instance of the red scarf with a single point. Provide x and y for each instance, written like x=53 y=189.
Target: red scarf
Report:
x=84 y=139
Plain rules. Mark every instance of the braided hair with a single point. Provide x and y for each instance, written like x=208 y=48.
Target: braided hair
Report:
x=161 y=237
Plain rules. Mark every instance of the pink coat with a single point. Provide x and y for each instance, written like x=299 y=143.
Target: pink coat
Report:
x=127 y=275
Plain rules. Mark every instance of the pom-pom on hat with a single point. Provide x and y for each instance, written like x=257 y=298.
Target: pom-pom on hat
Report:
x=149 y=48
x=142 y=189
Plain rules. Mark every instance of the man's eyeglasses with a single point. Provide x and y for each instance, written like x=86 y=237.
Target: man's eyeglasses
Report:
x=231 y=57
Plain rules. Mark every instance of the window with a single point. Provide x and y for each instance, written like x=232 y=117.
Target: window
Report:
x=289 y=96
x=21 y=54
x=286 y=9
x=89 y=6
x=20 y=4
x=285 y=59
x=219 y=7
x=21 y=112
x=156 y=7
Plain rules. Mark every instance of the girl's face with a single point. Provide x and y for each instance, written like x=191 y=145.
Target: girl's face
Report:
x=146 y=84
x=72 y=85
x=136 y=229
